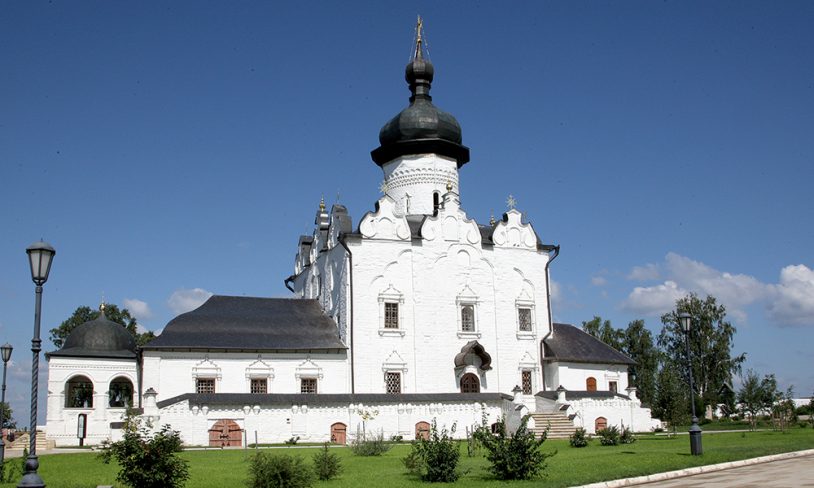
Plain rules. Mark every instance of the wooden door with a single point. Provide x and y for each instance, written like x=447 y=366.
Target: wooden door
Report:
x=590 y=384
x=600 y=423
x=339 y=433
x=422 y=431
x=225 y=433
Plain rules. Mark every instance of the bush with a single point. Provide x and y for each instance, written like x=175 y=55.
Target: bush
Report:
x=579 y=438
x=292 y=440
x=369 y=445
x=278 y=471
x=147 y=460
x=516 y=457
x=327 y=464
x=396 y=438
x=609 y=436
x=627 y=436
x=436 y=458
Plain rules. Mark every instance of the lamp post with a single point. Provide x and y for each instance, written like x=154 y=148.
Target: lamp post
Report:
x=40 y=256
x=5 y=352
x=685 y=320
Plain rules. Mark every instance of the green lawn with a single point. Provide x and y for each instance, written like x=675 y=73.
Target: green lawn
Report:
x=651 y=454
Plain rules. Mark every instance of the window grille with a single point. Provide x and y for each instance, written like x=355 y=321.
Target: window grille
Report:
x=308 y=385
x=470 y=384
x=524 y=319
x=205 y=385
x=391 y=315
x=525 y=381
x=468 y=318
x=613 y=386
x=393 y=381
x=259 y=385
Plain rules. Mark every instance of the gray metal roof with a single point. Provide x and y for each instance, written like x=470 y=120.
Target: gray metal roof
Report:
x=580 y=394
x=569 y=343
x=251 y=324
x=98 y=338
x=327 y=399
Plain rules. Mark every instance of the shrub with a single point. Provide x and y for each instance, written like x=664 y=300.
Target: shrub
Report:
x=436 y=458
x=515 y=457
x=292 y=440
x=627 y=436
x=396 y=438
x=579 y=438
x=147 y=460
x=369 y=445
x=327 y=464
x=278 y=471
x=609 y=436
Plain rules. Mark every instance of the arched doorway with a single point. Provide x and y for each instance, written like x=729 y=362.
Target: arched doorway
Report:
x=590 y=384
x=600 y=423
x=225 y=433
x=120 y=393
x=79 y=392
x=470 y=383
x=422 y=431
x=339 y=433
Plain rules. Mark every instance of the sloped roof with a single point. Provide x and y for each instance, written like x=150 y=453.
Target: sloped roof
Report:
x=264 y=399
x=569 y=343
x=98 y=338
x=580 y=394
x=251 y=324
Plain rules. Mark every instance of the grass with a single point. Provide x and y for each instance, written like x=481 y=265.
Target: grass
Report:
x=650 y=454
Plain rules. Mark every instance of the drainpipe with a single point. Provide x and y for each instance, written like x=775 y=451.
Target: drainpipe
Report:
x=556 y=250
x=287 y=282
x=139 y=372
x=350 y=315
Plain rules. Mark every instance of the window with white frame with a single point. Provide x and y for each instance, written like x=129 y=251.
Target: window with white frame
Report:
x=525 y=381
x=524 y=323
x=308 y=385
x=391 y=315
x=390 y=310
x=467 y=303
x=524 y=304
x=259 y=385
x=467 y=317
x=392 y=381
x=205 y=385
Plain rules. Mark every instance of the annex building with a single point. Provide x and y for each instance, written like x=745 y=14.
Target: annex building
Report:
x=414 y=312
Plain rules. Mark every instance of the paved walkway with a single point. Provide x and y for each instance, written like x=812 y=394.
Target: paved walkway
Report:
x=785 y=473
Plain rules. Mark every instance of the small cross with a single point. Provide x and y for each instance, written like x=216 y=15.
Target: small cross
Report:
x=511 y=202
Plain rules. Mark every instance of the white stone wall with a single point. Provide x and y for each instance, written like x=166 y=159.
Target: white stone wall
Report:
x=174 y=373
x=412 y=180
x=61 y=422
x=574 y=376
x=620 y=412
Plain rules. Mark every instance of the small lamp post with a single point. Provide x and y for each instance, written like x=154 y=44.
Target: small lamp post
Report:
x=685 y=320
x=5 y=352
x=40 y=257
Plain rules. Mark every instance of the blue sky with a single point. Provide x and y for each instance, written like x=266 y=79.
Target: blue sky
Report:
x=171 y=150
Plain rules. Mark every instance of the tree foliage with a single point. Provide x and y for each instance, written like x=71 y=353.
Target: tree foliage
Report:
x=112 y=312
x=436 y=458
x=670 y=403
x=145 y=459
x=604 y=331
x=710 y=345
x=757 y=396
x=8 y=416
x=267 y=470
x=517 y=456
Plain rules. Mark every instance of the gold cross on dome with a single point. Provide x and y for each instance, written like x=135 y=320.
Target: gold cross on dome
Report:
x=511 y=202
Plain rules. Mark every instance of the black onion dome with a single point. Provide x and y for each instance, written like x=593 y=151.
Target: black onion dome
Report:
x=99 y=337
x=422 y=127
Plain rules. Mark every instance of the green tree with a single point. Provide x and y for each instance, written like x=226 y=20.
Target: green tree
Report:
x=605 y=332
x=757 y=396
x=710 y=345
x=670 y=403
x=638 y=343
x=8 y=416
x=112 y=312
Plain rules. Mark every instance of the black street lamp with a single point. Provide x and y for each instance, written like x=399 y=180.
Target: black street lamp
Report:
x=40 y=256
x=685 y=320
x=5 y=351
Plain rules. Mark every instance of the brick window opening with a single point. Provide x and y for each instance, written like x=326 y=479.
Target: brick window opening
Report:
x=468 y=318
x=259 y=385
x=524 y=319
x=308 y=385
x=205 y=385
x=612 y=386
x=393 y=382
x=525 y=382
x=391 y=315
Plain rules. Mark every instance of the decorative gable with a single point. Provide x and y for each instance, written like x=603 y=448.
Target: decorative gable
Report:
x=308 y=369
x=511 y=232
x=206 y=369
x=385 y=223
x=259 y=369
x=451 y=224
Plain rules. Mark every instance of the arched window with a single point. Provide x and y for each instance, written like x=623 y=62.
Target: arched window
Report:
x=79 y=392
x=590 y=384
x=600 y=423
x=470 y=383
x=467 y=318
x=121 y=393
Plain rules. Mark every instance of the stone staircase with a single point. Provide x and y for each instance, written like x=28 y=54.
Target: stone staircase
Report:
x=22 y=442
x=560 y=426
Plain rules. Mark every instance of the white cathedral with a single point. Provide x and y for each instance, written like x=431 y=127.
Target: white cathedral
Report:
x=417 y=313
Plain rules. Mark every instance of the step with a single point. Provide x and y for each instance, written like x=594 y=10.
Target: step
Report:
x=559 y=425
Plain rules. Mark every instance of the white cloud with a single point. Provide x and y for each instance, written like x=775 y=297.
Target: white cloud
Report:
x=793 y=298
x=138 y=308
x=556 y=292
x=599 y=281
x=648 y=272
x=790 y=302
x=185 y=299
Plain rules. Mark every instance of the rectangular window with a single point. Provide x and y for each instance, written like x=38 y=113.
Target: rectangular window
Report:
x=308 y=385
x=612 y=386
x=524 y=319
x=393 y=381
x=468 y=318
x=259 y=385
x=205 y=385
x=525 y=381
x=391 y=315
